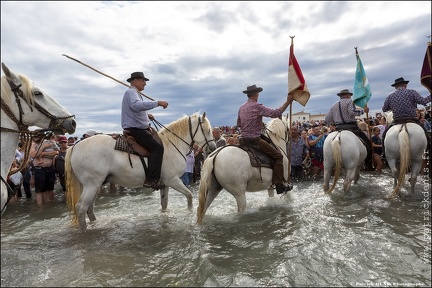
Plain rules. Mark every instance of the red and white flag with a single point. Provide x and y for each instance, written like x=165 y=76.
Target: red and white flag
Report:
x=296 y=82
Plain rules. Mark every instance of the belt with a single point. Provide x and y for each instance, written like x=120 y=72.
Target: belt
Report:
x=148 y=128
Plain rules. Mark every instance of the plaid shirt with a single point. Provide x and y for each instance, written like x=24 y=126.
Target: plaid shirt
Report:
x=403 y=102
x=250 y=116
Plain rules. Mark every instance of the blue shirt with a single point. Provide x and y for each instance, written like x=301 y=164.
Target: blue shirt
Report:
x=403 y=102
x=134 y=110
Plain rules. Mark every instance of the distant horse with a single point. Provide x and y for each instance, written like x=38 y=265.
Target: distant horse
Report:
x=94 y=161
x=242 y=176
x=405 y=145
x=23 y=104
x=343 y=150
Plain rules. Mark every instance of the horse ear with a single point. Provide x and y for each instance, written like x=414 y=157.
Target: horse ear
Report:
x=203 y=116
x=5 y=70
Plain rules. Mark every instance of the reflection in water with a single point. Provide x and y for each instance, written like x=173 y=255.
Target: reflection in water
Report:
x=305 y=238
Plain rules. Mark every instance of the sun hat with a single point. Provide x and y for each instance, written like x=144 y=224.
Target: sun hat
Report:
x=399 y=81
x=252 y=88
x=344 y=91
x=135 y=75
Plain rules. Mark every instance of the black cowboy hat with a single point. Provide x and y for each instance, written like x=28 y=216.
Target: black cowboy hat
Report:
x=252 y=88
x=399 y=81
x=344 y=91
x=137 y=75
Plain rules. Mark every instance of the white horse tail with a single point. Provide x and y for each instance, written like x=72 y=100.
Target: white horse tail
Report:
x=73 y=186
x=205 y=183
x=337 y=157
x=404 y=160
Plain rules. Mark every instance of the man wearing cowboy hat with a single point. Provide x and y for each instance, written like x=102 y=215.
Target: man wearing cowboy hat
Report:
x=249 y=121
x=403 y=103
x=136 y=119
x=342 y=114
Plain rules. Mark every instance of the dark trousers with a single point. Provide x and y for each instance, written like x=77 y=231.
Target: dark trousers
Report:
x=270 y=151
x=146 y=139
x=26 y=182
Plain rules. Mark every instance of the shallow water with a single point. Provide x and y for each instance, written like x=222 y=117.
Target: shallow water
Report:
x=305 y=238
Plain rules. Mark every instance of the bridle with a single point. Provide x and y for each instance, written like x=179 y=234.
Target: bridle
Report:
x=55 y=121
x=191 y=133
x=25 y=135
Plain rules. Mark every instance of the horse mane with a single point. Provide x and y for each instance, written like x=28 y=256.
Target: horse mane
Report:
x=276 y=127
x=26 y=87
x=181 y=129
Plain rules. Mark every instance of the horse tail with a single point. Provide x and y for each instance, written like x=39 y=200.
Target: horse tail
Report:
x=404 y=159
x=205 y=183
x=73 y=186
x=337 y=156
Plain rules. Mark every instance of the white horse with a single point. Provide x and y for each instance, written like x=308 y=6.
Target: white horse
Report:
x=405 y=145
x=94 y=161
x=343 y=150
x=244 y=177
x=22 y=105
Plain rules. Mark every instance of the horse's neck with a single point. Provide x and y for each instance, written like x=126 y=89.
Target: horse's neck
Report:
x=9 y=144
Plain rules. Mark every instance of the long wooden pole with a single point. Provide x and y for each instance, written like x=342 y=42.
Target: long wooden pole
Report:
x=367 y=121
x=106 y=75
x=290 y=123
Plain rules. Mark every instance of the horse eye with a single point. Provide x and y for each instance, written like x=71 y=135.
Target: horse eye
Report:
x=37 y=93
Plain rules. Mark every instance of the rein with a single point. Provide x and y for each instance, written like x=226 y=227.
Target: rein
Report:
x=192 y=134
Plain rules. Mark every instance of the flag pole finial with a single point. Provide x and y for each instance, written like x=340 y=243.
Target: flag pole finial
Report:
x=356 y=50
x=292 y=37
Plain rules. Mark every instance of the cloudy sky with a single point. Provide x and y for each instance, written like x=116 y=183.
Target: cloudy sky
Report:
x=200 y=56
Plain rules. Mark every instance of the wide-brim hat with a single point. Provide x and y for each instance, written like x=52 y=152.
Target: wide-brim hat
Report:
x=135 y=75
x=252 y=89
x=344 y=91
x=399 y=81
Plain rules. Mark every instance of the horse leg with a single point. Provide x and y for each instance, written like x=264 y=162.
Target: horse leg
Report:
x=415 y=171
x=90 y=210
x=350 y=175
x=395 y=171
x=82 y=207
x=327 y=175
x=357 y=174
x=164 y=198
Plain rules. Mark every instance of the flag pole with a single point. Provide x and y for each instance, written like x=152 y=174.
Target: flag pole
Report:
x=290 y=123
x=367 y=116
x=88 y=66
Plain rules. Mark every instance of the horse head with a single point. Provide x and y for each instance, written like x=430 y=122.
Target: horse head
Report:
x=27 y=105
x=189 y=129
x=389 y=117
x=278 y=131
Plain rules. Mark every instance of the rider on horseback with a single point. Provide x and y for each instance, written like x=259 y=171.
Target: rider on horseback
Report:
x=342 y=114
x=136 y=120
x=250 y=122
x=403 y=103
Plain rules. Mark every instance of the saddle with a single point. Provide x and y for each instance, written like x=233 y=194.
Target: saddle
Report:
x=257 y=157
x=126 y=142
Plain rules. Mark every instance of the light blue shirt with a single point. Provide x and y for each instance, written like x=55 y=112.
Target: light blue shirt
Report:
x=134 y=110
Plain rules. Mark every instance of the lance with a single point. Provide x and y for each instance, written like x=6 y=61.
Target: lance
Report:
x=106 y=75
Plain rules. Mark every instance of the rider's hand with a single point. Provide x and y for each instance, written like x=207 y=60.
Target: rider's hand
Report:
x=164 y=104
x=151 y=117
